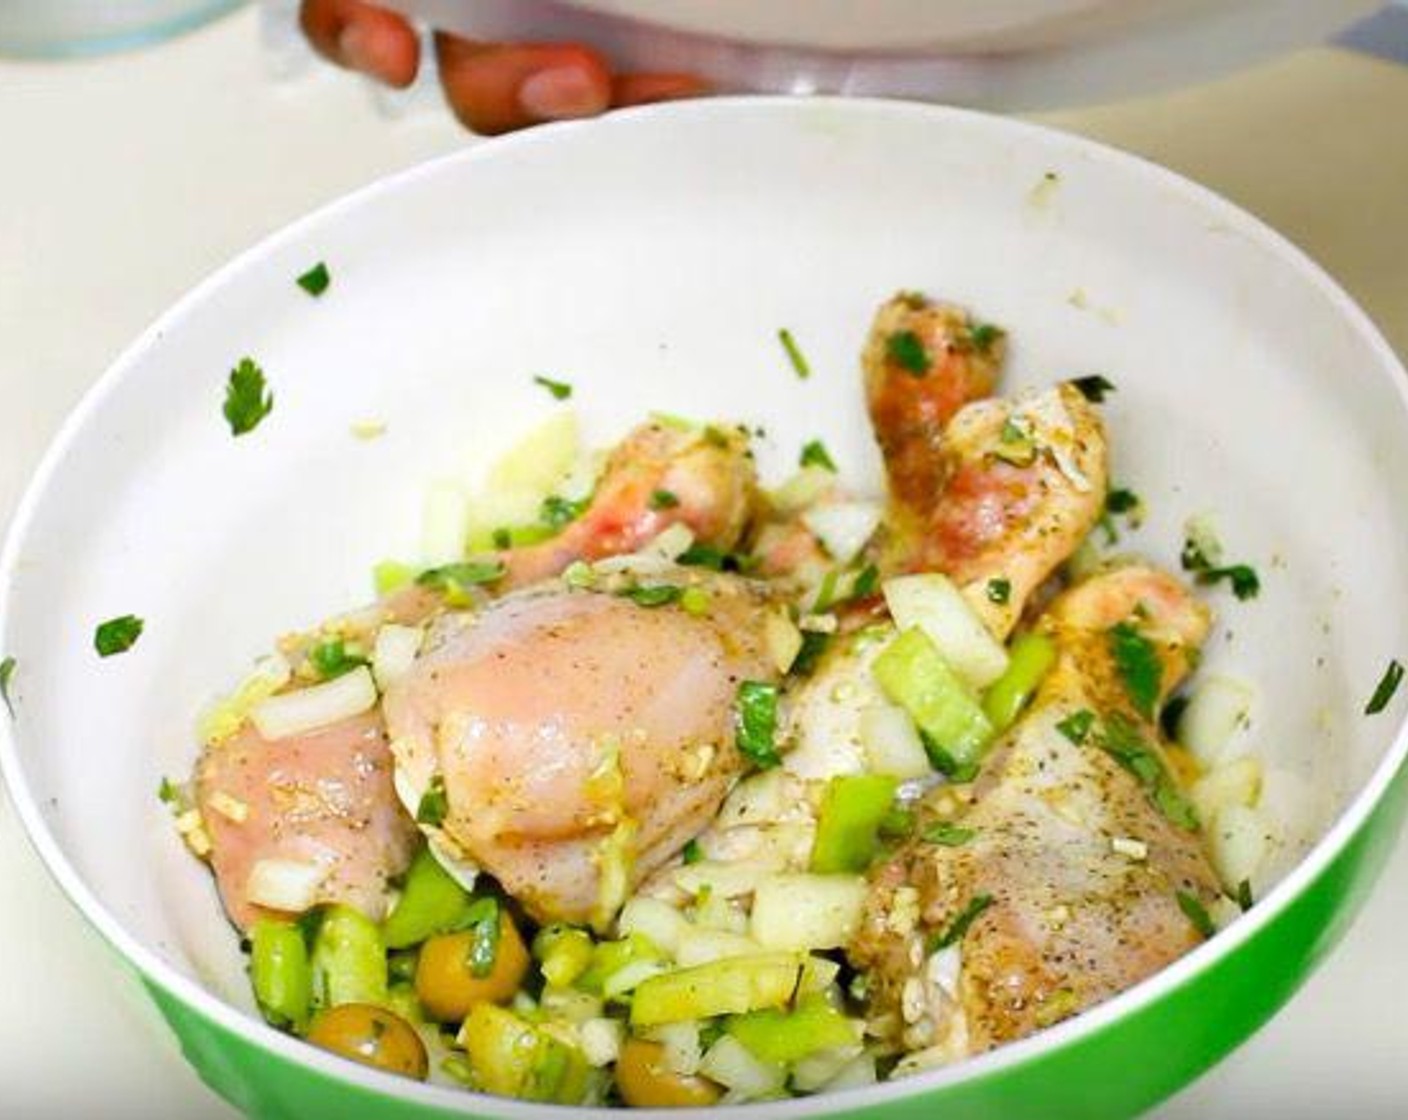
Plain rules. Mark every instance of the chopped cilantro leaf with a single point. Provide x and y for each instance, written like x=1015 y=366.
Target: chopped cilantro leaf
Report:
x=1093 y=387
x=756 y=723
x=1245 y=582
x=247 y=399
x=692 y=852
x=1077 y=725
x=999 y=590
x=1201 y=554
x=316 y=280
x=654 y=595
x=945 y=763
x=169 y=792
x=1121 y=740
x=983 y=335
x=959 y=926
x=1120 y=500
x=468 y=573
x=794 y=354
x=1174 y=806
x=482 y=918
x=705 y=556
x=1196 y=913
x=560 y=390
x=7 y=672
x=814 y=644
x=948 y=835
x=1139 y=666
x=332 y=659
x=814 y=454
x=1387 y=686
x=117 y=635
x=906 y=349
x=897 y=823
x=865 y=582
x=663 y=499
x=557 y=511
x=502 y=538
x=434 y=803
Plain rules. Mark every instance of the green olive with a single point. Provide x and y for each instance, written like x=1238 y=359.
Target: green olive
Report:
x=373 y=1036
x=445 y=979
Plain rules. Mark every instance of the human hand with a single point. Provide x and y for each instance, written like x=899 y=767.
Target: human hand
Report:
x=490 y=87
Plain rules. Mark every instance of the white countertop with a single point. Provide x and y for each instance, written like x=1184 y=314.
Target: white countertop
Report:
x=124 y=181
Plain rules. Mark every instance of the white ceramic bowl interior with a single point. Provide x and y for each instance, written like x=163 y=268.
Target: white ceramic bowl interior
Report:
x=650 y=259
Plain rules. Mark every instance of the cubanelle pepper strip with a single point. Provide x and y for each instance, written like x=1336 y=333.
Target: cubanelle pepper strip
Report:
x=848 y=825
x=280 y=973
x=774 y=1035
x=431 y=902
x=511 y=1057
x=349 y=959
x=727 y=987
x=914 y=675
x=1029 y=660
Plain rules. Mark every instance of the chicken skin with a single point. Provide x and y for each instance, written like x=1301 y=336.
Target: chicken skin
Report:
x=581 y=738
x=1081 y=857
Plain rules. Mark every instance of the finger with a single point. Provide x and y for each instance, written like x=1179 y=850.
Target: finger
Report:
x=495 y=88
x=363 y=37
x=638 y=89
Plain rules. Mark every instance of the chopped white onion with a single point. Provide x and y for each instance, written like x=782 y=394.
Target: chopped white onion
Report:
x=723 y=880
x=394 y=653
x=225 y=717
x=731 y=1064
x=628 y=977
x=285 y=884
x=701 y=946
x=806 y=911
x=844 y=528
x=1217 y=709
x=944 y=968
x=931 y=602
x=444 y=524
x=782 y=640
x=600 y=1040
x=815 y=1070
x=892 y=745
x=292 y=713
x=808 y=486
x=1236 y=782
x=659 y=921
x=671 y=543
x=853 y=1075
x=1238 y=841
x=682 y=1047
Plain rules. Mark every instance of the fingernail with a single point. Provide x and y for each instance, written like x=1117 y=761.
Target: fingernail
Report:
x=355 y=48
x=567 y=91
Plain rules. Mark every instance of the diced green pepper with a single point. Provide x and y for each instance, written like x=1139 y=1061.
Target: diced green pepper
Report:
x=727 y=987
x=392 y=575
x=852 y=810
x=511 y=1057
x=914 y=675
x=349 y=959
x=280 y=973
x=431 y=902
x=1030 y=659
x=609 y=957
x=775 y=1035
x=564 y=953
